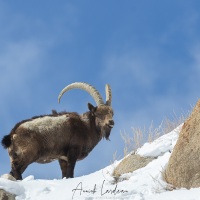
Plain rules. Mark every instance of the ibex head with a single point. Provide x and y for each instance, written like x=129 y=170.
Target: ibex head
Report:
x=103 y=112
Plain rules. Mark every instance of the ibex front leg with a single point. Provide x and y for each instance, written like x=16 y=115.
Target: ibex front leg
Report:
x=63 y=166
x=67 y=168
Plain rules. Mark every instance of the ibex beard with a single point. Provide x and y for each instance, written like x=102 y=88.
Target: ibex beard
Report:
x=65 y=136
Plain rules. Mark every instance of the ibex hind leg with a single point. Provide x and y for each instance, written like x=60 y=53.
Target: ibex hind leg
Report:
x=17 y=168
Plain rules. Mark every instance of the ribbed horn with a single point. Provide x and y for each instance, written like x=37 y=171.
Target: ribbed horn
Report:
x=83 y=86
x=108 y=95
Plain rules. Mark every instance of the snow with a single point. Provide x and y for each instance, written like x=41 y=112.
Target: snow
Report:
x=143 y=184
x=161 y=145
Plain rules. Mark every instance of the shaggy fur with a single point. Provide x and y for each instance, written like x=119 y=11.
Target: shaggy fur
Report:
x=66 y=137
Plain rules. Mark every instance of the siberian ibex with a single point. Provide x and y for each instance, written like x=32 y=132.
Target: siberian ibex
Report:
x=65 y=136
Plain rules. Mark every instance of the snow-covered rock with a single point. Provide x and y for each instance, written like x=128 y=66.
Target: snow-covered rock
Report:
x=143 y=184
x=161 y=145
x=8 y=176
x=6 y=196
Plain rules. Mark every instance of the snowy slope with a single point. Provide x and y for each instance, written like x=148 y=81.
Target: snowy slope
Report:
x=143 y=184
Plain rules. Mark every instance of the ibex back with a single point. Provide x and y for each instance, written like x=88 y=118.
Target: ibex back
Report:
x=65 y=136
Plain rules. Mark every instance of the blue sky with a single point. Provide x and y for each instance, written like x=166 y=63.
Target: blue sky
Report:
x=148 y=51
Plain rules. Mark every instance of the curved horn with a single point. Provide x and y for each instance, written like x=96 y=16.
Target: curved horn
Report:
x=84 y=86
x=108 y=95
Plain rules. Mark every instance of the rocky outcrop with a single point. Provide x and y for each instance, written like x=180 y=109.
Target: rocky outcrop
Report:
x=130 y=164
x=183 y=169
x=9 y=177
x=6 y=196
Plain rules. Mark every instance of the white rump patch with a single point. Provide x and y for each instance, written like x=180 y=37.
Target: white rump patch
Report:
x=45 y=123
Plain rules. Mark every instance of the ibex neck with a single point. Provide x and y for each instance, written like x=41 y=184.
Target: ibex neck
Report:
x=90 y=121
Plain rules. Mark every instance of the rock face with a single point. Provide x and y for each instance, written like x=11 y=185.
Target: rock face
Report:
x=183 y=169
x=9 y=177
x=6 y=196
x=130 y=164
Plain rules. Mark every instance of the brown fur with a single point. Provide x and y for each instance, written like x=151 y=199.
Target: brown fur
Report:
x=67 y=137
x=54 y=114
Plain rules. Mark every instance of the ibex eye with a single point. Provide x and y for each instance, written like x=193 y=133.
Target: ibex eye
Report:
x=57 y=136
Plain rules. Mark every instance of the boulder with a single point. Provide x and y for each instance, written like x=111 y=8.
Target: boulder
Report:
x=130 y=164
x=183 y=169
x=6 y=196
x=8 y=177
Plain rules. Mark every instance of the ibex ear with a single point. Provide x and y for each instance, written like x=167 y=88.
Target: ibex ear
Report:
x=91 y=107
